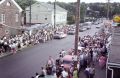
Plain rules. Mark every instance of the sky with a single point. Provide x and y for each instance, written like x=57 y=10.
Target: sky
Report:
x=86 y=1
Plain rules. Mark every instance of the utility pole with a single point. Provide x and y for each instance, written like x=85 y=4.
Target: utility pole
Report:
x=77 y=29
x=54 y=14
x=30 y=13
x=108 y=9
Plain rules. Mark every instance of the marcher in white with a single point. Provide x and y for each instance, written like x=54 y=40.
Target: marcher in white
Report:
x=64 y=74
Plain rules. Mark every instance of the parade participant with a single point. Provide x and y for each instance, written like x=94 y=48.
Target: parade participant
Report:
x=50 y=61
x=64 y=74
x=37 y=75
x=86 y=71
x=92 y=71
x=59 y=71
x=75 y=73
x=102 y=61
x=43 y=72
x=50 y=64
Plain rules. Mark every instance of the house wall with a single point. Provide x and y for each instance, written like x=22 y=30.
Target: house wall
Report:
x=10 y=16
x=61 y=17
x=2 y=31
x=41 y=14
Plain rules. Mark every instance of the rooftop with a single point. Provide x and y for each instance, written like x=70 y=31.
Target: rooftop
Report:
x=114 y=54
x=49 y=6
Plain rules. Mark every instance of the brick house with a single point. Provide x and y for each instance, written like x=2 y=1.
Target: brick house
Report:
x=10 y=17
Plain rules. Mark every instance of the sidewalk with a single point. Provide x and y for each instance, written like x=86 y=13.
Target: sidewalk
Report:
x=10 y=53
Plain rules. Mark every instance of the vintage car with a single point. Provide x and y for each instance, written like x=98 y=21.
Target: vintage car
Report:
x=59 y=35
x=71 y=31
x=67 y=61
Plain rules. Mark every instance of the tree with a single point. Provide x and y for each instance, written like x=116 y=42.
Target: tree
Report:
x=25 y=3
x=83 y=9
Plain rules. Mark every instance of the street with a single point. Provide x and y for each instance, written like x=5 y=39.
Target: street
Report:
x=26 y=63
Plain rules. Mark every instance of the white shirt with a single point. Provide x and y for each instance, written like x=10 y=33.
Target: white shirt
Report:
x=64 y=74
x=81 y=57
x=1 y=41
x=87 y=69
x=63 y=53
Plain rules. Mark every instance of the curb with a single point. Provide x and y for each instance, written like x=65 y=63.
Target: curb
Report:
x=22 y=49
x=5 y=54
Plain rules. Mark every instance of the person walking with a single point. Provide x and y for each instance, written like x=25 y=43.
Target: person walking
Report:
x=64 y=74
x=92 y=72
x=43 y=72
x=75 y=73
x=87 y=74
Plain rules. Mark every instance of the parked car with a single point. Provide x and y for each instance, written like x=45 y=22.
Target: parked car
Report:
x=71 y=31
x=59 y=35
x=88 y=25
x=81 y=29
x=96 y=23
x=98 y=26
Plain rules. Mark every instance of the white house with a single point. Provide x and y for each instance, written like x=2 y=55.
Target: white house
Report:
x=44 y=13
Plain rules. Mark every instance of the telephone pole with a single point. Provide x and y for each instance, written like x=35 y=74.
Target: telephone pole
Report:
x=30 y=13
x=54 y=14
x=77 y=29
x=108 y=9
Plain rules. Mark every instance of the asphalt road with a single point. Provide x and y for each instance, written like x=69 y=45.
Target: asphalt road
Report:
x=24 y=64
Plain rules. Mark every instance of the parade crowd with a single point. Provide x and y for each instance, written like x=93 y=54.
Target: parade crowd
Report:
x=93 y=52
x=18 y=42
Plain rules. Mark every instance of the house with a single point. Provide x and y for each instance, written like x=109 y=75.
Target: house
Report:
x=113 y=63
x=10 y=17
x=44 y=13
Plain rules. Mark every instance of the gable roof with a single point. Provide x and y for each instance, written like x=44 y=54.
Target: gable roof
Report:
x=50 y=7
x=20 y=9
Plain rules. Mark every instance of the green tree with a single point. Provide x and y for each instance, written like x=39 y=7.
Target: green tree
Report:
x=25 y=3
x=83 y=9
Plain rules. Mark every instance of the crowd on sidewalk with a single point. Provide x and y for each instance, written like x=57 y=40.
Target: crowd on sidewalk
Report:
x=93 y=52
x=17 y=42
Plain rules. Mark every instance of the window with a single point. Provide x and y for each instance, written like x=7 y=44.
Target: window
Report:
x=17 y=17
x=8 y=4
x=3 y=18
x=45 y=18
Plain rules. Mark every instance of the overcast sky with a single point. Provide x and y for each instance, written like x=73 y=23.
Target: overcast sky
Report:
x=87 y=1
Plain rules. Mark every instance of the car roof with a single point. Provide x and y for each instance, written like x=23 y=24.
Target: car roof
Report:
x=68 y=58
